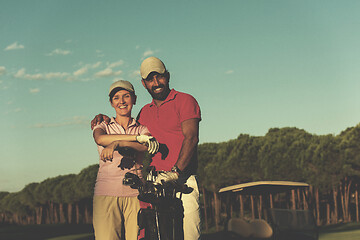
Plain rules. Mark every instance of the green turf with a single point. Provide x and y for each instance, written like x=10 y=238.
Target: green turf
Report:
x=351 y=235
x=348 y=231
x=84 y=236
x=344 y=231
x=44 y=232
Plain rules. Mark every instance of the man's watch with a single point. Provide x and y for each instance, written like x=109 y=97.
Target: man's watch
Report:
x=176 y=169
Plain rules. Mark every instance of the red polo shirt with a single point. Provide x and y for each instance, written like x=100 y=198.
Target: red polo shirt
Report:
x=164 y=123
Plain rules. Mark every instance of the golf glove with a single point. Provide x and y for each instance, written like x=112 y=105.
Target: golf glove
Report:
x=152 y=143
x=166 y=177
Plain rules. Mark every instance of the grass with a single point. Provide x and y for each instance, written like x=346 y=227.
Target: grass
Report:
x=344 y=231
x=85 y=236
x=47 y=232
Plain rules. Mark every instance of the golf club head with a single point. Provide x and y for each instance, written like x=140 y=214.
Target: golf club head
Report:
x=132 y=180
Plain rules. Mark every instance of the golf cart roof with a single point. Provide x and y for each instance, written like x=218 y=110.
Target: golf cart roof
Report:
x=262 y=187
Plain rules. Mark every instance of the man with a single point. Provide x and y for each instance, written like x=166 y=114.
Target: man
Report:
x=173 y=119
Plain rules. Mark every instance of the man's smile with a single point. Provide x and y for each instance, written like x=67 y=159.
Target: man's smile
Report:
x=158 y=89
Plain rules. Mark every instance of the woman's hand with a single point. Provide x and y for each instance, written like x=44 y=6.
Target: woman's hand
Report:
x=150 y=141
x=108 y=152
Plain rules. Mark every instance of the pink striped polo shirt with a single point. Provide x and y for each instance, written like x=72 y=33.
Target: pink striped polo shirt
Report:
x=110 y=175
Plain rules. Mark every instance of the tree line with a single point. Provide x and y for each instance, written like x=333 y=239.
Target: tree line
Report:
x=329 y=163
x=62 y=199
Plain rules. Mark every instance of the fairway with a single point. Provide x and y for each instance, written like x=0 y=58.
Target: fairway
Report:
x=47 y=232
x=84 y=236
x=343 y=235
x=345 y=231
x=350 y=235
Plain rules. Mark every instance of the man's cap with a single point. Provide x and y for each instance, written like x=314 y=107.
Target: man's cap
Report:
x=122 y=84
x=151 y=64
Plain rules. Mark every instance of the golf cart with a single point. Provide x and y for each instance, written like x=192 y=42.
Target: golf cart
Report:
x=278 y=223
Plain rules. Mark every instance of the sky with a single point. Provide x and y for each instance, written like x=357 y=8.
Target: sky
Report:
x=251 y=65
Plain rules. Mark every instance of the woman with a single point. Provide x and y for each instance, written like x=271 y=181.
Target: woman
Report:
x=121 y=145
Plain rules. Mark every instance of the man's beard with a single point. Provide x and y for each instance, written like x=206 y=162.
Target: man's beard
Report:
x=161 y=96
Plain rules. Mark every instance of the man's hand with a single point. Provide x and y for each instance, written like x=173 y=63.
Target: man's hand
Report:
x=166 y=177
x=151 y=142
x=98 y=119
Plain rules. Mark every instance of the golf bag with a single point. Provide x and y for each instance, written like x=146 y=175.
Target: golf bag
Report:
x=163 y=219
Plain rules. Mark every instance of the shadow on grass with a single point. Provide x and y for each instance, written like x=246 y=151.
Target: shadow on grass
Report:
x=42 y=232
x=71 y=232
x=85 y=232
x=340 y=227
x=222 y=235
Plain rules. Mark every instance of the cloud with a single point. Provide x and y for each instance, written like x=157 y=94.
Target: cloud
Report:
x=85 y=69
x=2 y=70
x=34 y=90
x=14 y=46
x=77 y=79
x=51 y=75
x=229 y=72
x=59 y=51
x=107 y=72
x=17 y=110
x=96 y=65
x=148 y=53
x=135 y=73
x=81 y=71
x=39 y=76
x=116 y=64
x=20 y=73
x=76 y=120
x=137 y=47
